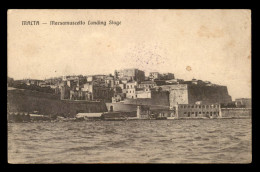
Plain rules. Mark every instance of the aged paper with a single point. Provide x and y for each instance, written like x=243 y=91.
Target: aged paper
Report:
x=129 y=86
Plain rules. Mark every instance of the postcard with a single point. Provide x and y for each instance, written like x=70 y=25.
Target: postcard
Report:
x=142 y=86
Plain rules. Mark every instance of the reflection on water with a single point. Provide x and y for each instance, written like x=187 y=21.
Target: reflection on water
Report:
x=139 y=141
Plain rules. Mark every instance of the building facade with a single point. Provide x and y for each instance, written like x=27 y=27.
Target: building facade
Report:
x=198 y=110
x=147 y=84
x=130 y=74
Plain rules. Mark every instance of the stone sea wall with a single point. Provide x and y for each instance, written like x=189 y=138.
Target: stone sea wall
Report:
x=236 y=112
x=46 y=104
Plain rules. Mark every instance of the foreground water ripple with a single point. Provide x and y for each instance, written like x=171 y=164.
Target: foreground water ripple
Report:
x=143 y=141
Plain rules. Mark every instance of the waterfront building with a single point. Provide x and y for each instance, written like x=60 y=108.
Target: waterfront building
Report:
x=198 y=110
x=243 y=102
x=191 y=93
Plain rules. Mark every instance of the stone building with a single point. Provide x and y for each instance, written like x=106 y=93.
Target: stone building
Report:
x=131 y=93
x=143 y=93
x=65 y=91
x=130 y=74
x=102 y=93
x=109 y=81
x=147 y=84
x=191 y=93
x=167 y=76
x=88 y=87
x=243 y=102
x=158 y=76
x=178 y=94
x=34 y=82
x=198 y=110
x=131 y=89
x=154 y=75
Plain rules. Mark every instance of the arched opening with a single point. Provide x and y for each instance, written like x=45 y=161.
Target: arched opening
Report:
x=111 y=108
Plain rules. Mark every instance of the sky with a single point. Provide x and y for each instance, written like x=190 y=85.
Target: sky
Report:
x=211 y=45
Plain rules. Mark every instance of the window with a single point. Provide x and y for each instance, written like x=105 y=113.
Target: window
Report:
x=191 y=106
x=199 y=112
x=199 y=106
x=130 y=91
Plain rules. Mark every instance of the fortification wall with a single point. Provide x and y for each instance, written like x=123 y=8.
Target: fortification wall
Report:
x=209 y=94
x=236 y=112
x=29 y=101
x=121 y=107
x=178 y=94
x=157 y=98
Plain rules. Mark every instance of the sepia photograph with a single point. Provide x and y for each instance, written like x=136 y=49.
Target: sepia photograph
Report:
x=129 y=86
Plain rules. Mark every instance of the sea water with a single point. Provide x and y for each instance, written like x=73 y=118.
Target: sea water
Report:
x=136 y=141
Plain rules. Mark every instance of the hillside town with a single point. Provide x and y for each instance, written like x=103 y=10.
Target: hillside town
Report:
x=129 y=89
